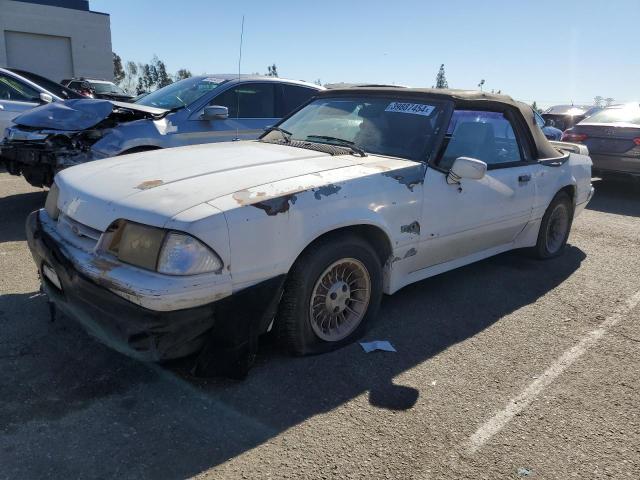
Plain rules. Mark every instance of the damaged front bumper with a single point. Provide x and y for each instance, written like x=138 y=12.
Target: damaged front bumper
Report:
x=39 y=159
x=225 y=331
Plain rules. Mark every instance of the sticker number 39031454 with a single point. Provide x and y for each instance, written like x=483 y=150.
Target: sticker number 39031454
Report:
x=415 y=108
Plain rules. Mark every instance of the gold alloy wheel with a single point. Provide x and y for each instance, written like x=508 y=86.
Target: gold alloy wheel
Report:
x=340 y=299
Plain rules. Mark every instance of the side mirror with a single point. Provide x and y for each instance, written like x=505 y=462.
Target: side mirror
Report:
x=46 y=98
x=465 y=167
x=215 y=112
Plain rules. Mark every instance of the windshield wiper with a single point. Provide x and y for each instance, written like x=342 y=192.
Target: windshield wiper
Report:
x=340 y=141
x=286 y=135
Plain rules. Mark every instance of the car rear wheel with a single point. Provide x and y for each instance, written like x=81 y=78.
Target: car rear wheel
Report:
x=555 y=227
x=332 y=292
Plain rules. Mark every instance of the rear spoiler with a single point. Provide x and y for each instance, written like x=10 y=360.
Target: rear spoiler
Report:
x=570 y=147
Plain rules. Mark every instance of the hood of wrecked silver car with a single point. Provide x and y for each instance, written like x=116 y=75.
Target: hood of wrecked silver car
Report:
x=76 y=114
x=153 y=187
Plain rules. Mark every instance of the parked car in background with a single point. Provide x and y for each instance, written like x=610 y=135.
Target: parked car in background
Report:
x=613 y=139
x=360 y=192
x=552 y=133
x=21 y=91
x=566 y=116
x=202 y=109
x=98 y=89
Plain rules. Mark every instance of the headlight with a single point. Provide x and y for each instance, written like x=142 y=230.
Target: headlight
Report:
x=51 y=203
x=139 y=245
x=171 y=253
x=184 y=255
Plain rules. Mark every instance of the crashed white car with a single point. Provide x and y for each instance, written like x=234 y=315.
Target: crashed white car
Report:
x=362 y=191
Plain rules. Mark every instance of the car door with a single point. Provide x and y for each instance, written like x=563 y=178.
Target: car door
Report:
x=252 y=108
x=15 y=98
x=477 y=215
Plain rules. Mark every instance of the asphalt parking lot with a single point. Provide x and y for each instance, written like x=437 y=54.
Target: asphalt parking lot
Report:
x=508 y=368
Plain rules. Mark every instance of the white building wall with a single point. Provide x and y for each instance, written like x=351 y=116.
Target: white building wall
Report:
x=48 y=29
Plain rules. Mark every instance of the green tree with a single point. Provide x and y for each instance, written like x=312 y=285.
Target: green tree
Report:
x=162 y=77
x=272 y=71
x=140 y=87
x=535 y=107
x=118 y=71
x=130 y=80
x=441 y=79
x=182 y=74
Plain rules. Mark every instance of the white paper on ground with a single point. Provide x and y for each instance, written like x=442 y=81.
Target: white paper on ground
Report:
x=383 y=345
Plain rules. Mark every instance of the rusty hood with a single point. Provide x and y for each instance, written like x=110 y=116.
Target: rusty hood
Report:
x=153 y=187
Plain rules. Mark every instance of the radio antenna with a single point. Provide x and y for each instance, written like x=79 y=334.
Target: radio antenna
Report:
x=239 y=70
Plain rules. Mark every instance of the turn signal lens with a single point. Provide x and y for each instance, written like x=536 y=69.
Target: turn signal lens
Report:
x=184 y=255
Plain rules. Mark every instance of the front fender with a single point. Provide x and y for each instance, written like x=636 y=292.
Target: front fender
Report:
x=139 y=133
x=271 y=225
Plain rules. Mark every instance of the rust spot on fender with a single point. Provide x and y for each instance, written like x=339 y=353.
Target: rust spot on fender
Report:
x=245 y=197
x=409 y=176
x=413 y=228
x=325 y=191
x=274 y=206
x=410 y=253
x=149 y=184
x=103 y=265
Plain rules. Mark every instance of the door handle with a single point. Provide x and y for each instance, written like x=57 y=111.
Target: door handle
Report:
x=524 y=178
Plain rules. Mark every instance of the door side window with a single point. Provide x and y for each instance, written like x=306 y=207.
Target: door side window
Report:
x=12 y=89
x=486 y=136
x=250 y=100
x=292 y=97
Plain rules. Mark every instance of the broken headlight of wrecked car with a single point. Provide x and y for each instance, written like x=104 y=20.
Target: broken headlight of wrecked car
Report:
x=160 y=250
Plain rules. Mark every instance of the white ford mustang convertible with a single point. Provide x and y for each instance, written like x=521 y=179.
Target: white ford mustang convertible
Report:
x=199 y=250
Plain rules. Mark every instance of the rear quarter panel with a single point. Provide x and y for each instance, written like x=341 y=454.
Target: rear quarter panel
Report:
x=575 y=172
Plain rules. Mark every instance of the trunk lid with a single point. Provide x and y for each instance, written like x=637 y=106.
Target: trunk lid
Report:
x=608 y=138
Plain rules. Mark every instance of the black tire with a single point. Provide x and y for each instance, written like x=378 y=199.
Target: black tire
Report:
x=294 y=326
x=553 y=234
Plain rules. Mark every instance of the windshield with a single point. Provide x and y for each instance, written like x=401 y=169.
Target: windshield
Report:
x=107 y=88
x=49 y=85
x=383 y=126
x=623 y=114
x=180 y=94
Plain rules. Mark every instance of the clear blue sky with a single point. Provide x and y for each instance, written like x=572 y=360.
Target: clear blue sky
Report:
x=548 y=51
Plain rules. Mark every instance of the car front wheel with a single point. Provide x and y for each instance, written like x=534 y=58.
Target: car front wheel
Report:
x=332 y=292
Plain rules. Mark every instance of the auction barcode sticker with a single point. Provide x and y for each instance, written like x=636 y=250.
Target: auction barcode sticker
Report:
x=415 y=108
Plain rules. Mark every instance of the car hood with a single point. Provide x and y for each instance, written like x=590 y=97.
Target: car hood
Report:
x=153 y=187
x=77 y=114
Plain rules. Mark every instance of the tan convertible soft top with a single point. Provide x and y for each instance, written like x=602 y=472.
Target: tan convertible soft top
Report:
x=463 y=98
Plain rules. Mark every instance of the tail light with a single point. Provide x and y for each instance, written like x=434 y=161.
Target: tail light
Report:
x=637 y=141
x=574 y=137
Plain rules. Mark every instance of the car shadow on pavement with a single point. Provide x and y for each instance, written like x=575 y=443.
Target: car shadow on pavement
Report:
x=617 y=197
x=74 y=408
x=14 y=210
